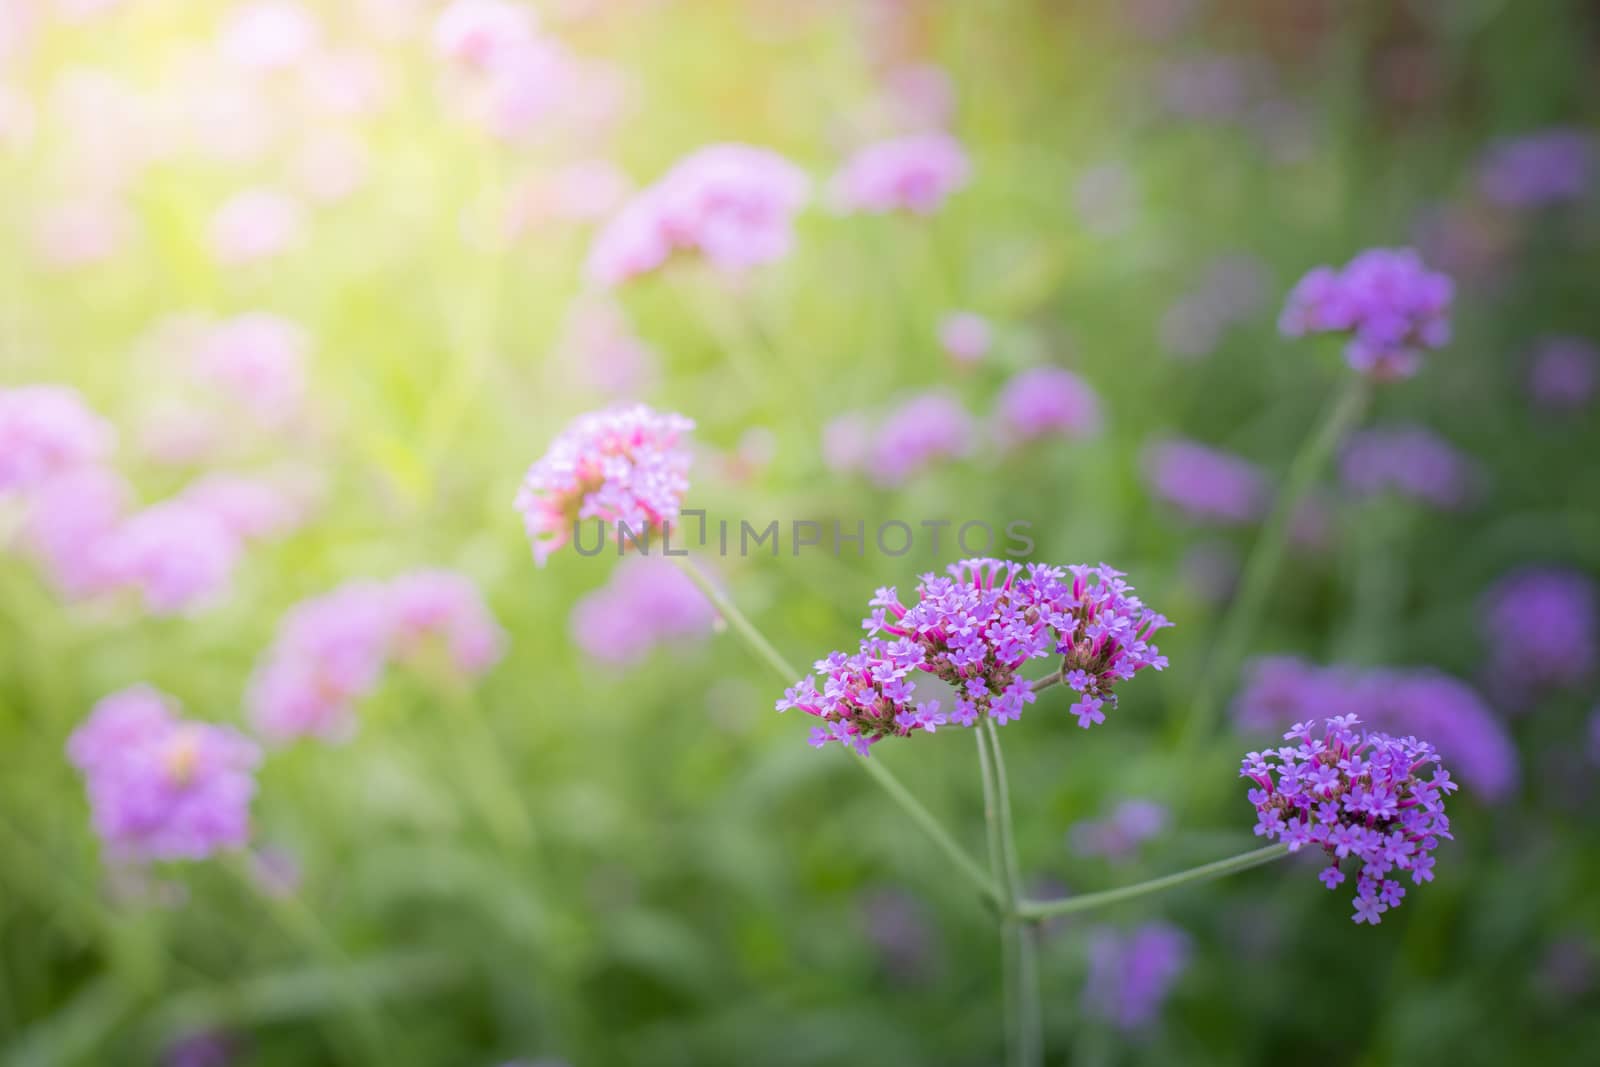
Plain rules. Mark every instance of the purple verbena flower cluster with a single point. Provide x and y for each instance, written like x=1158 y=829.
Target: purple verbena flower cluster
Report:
x=1043 y=401
x=625 y=466
x=1409 y=461
x=1131 y=974
x=160 y=787
x=1536 y=170
x=1354 y=795
x=1206 y=484
x=974 y=630
x=46 y=430
x=1542 y=626
x=914 y=173
x=1385 y=300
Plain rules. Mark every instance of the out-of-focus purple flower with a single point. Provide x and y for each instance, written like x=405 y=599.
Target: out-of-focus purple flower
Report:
x=160 y=787
x=45 y=431
x=1282 y=690
x=647 y=603
x=1568 y=969
x=898 y=927
x=732 y=203
x=585 y=191
x=915 y=173
x=920 y=96
x=255 y=224
x=1206 y=484
x=974 y=630
x=625 y=467
x=444 y=606
x=477 y=34
x=1119 y=835
x=1466 y=242
x=258 y=360
x=1232 y=290
x=1542 y=628
x=329 y=652
x=1538 y=170
x=252 y=509
x=1130 y=975
x=599 y=349
x=69 y=521
x=1357 y=796
x=1390 y=306
x=204 y=1048
x=846 y=442
x=1210 y=88
x=926 y=428
x=1410 y=461
x=269 y=35
x=1105 y=199
x=1563 y=374
x=178 y=555
x=965 y=336
x=1045 y=401
x=82 y=231
x=1211 y=571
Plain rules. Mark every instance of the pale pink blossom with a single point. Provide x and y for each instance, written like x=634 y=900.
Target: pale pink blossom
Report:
x=254 y=225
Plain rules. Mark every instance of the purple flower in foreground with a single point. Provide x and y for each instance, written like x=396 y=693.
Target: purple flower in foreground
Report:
x=626 y=467
x=974 y=630
x=1564 y=374
x=46 y=430
x=1409 y=461
x=160 y=787
x=1131 y=974
x=914 y=173
x=1390 y=306
x=1542 y=625
x=1377 y=811
x=1043 y=401
x=1207 y=484
x=648 y=602
x=732 y=203
x=1540 y=169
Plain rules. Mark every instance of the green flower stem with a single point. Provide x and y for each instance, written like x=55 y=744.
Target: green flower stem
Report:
x=1260 y=570
x=1024 y=1021
x=1035 y=911
x=918 y=814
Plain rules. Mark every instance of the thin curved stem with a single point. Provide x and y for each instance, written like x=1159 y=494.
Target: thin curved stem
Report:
x=1036 y=911
x=1022 y=954
x=1261 y=568
x=875 y=769
x=1009 y=929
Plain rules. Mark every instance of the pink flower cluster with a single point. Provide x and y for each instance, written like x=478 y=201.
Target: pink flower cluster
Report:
x=1045 y=401
x=331 y=650
x=1385 y=300
x=1355 y=796
x=625 y=467
x=734 y=204
x=161 y=787
x=974 y=630
x=45 y=431
x=647 y=603
x=916 y=173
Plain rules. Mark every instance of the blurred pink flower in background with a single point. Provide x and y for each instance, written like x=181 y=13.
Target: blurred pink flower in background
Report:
x=1411 y=462
x=329 y=652
x=476 y=34
x=1540 y=169
x=45 y=431
x=160 y=787
x=250 y=508
x=1045 y=401
x=1232 y=291
x=965 y=336
x=68 y=523
x=1542 y=628
x=1207 y=484
x=179 y=556
x=732 y=203
x=1119 y=834
x=446 y=607
x=257 y=360
x=914 y=173
x=920 y=96
x=583 y=191
x=255 y=224
x=82 y=231
x=1211 y=88
x=1210 y=571
x=330 y=165
x=1131 y=974
x=846 y=441
x=600 y=351
x=268 y=35
x=922 y=430
x=647 y=602
x=348 y=82
x=1563 y=374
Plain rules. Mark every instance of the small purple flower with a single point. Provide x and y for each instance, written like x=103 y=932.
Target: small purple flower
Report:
x=926 y=428
x=966 y=336
x=1131 y=975
x=1046 y=401
x=1390 y=817
x=1411 y=462
x=915 y=173
x=1564 y=374
x=1207 y=484
x=1389 y=305
x=160 y=787
x=625 y=467
x=974 y=630
x=1542 y=626
x=1538 y=170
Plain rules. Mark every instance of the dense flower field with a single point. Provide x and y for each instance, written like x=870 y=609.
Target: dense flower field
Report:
x=456 y=454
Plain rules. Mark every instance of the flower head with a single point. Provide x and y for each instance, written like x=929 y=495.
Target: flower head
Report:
x=1542 y=625
x=915 y=173
x=46 y=430
x=1046 y=401
x=1564 y=374
x=1131 y=974
x=626 y=467
x=734 y=204
x=1119 y=835
x=974 y=630
x=179 y=555
x=329 y=652
x=1359 y=797
x=648 y=602
x=925 y=428
x=1207 y=484
x=160 y=787
x=1390 y=306
x=965 y=335
x=446 y=607
x=478 y=34
x=1538 y=170
x=1409 y=461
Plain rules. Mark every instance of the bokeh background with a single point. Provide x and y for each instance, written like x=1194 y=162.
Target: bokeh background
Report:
x=607 y=848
